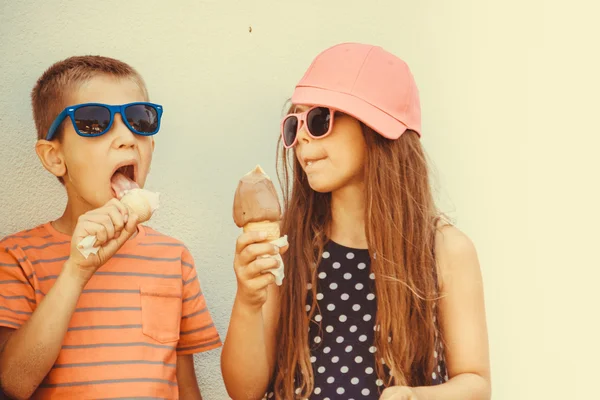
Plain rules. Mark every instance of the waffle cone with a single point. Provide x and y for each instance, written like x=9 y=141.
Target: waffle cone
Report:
x=270 y=227
x=140 y=203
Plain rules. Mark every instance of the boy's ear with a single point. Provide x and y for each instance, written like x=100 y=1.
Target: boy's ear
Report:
x=51 y=156
x=153 y=143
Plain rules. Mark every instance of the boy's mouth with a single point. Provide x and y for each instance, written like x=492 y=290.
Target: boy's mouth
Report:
x=124 y=178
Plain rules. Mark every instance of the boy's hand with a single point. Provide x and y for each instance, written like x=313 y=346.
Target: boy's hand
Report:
x=112 y=225
x=250 y=269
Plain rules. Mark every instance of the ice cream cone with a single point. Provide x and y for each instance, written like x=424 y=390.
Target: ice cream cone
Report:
x=255 y=199
x=256 y=208
x=141 y=202
x=271 y=228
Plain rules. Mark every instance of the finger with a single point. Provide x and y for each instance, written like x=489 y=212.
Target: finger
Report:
x=283 y=249
x=247 y=238
x=92 y=228
x=118 y=219
x=117 y=203
x=130 y=228
x=113 y=212
x=113 y=204
x=261 y=282
x=260 y=265
x=104 y=219
x=253 y=251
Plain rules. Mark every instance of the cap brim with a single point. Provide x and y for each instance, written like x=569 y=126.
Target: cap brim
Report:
x=375 y=118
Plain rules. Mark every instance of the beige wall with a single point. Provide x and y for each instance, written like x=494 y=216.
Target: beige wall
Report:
x=510 y=96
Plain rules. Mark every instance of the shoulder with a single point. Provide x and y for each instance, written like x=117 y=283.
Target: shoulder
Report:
x=452 y=242
x=15 y=248
x=24 y=238
x=154 y=241
x=152 y=235
x=455 y=252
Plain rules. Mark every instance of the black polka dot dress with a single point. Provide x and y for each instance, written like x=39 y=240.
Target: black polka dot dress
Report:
x=342 y=330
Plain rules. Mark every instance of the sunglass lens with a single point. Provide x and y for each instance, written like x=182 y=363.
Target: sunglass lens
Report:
x=91 y=120
x=142 y=118
x=318 y=120
x=290 y=128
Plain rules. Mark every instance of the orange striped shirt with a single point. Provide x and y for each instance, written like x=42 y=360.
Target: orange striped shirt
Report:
x=136 y=314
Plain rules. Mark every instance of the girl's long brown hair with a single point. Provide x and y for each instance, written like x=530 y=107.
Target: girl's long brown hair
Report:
x=400 y=220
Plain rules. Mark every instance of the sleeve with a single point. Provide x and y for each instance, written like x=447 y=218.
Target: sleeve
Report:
x=17 y=296
x=197 y=329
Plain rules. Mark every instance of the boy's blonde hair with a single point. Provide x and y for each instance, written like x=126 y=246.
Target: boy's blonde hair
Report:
x=52 y=90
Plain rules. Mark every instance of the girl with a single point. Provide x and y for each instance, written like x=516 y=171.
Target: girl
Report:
x=381 y=299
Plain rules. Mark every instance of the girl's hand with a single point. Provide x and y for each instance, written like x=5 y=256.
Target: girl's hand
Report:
x=251 y=269
x=398 y=393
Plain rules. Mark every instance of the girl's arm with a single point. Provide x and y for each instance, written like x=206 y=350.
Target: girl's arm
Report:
x=463 y=322
x=186 y=378
x=248 y=355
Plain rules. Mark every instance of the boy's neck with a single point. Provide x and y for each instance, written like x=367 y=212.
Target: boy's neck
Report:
x=348 y=217
x=67 y=222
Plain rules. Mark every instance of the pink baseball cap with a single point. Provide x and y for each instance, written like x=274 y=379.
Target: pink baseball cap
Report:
x=366 y=82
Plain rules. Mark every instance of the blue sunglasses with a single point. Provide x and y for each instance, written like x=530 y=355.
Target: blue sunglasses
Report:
x=95 y=119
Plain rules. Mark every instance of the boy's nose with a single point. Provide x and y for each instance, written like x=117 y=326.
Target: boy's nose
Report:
x=123 y=136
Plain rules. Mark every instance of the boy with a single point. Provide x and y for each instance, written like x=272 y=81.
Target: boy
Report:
x=122 y=323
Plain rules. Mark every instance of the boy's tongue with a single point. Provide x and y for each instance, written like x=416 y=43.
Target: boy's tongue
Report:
x=120 y=183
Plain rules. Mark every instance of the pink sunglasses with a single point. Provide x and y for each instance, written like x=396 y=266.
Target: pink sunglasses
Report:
x=318 y=121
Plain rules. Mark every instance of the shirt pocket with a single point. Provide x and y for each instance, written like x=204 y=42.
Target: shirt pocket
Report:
x=161 y=312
